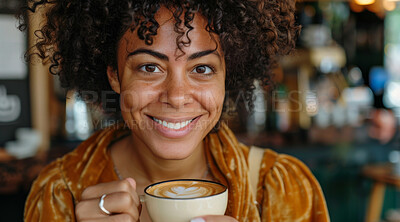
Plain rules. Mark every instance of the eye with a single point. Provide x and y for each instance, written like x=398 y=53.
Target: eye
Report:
x=203 y=69
x=149 y=68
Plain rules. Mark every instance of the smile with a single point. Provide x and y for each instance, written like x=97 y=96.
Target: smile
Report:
x=170 y=125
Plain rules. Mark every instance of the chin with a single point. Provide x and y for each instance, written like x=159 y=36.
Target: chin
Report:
x=173 y=151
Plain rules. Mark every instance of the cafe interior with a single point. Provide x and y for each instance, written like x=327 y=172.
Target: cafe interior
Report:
x=334 y=104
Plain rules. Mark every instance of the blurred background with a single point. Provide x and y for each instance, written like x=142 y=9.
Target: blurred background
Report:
x=335 y=105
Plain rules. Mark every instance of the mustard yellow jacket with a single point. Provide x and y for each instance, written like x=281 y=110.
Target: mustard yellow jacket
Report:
x=287 y=191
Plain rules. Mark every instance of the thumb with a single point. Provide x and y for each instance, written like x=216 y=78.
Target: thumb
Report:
x=132 y=182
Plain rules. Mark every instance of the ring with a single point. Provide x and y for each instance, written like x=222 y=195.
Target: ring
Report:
x=101 y=205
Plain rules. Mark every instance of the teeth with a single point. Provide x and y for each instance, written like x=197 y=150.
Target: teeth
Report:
x=172 y=125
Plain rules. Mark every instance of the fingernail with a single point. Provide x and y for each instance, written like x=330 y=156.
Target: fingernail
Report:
x=197 y=219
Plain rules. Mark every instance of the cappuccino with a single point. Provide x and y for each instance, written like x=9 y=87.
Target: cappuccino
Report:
x=185 y=189
x=182 y=200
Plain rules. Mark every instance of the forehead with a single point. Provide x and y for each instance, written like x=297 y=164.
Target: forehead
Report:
x=168 y=37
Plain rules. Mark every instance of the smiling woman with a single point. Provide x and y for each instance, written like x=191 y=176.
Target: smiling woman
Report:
x=171 y=64
x=162 y=90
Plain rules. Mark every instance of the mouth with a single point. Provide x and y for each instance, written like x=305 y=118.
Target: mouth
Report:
x=175 y=124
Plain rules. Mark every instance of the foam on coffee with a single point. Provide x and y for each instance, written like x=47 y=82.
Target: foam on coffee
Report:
x=185 y=189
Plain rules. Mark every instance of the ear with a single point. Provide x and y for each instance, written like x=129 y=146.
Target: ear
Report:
x=113 y=79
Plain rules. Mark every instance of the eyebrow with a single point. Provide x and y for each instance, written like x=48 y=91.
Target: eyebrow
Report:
x=203 y=53
x=150 y=52
x=165 y=57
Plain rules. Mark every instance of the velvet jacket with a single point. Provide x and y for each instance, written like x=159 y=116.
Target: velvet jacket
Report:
x=287 y=191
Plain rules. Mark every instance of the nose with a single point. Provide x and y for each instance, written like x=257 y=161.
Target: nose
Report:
x=177 y=91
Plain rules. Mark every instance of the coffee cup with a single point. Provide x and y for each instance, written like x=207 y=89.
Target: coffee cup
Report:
x=184 y=199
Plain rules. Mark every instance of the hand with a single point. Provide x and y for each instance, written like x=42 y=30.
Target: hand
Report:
x=122 y=201
x=214 y=218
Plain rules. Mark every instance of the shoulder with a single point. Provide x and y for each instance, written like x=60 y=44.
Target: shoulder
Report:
x=282 y=171
x=277 y=164
x=76 y=168
x=49 y=196
x=90 y=163
x=48 y=176
x=286 y=164
x=60 y=169
x=288 y=185
x=59 y=185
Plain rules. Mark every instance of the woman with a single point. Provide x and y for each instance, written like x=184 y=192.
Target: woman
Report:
x=171 y=63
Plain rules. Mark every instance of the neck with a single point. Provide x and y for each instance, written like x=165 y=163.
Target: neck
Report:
x=133 y=159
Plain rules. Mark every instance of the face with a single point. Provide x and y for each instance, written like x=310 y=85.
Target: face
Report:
x=170 y=101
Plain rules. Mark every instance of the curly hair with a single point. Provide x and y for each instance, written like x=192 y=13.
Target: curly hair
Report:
x=80 y=37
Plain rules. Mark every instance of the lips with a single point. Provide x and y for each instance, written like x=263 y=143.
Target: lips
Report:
x=173 y=124
x=173 y=128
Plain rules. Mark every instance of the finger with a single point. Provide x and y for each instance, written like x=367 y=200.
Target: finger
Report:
x=113 y=218
x=105 y=188
x=115 y=203
x=127 y=185
x=136 y=196
x=214 y=218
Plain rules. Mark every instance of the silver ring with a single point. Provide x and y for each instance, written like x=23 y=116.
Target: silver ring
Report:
x=101 y=205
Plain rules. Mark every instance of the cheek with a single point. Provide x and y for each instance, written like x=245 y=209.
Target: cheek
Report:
x=136 y=98
x=129 y=100
x=212 y=99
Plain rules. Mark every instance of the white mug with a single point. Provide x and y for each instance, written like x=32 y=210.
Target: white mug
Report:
x=187 y=199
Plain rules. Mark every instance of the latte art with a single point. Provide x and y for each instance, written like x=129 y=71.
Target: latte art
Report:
x=183 y=199
x=185 y=189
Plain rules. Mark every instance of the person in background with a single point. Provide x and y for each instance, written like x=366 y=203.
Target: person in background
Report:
x=173 y=65
x=383 y=125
